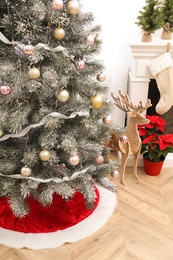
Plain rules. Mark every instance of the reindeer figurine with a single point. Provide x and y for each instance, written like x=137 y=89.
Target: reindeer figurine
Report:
x=128 y=141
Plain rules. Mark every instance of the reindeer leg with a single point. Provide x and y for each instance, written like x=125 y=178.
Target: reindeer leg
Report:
x=135 y=163
x=124 y=157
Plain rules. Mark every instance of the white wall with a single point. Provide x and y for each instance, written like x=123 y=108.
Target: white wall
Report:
x=117 y=23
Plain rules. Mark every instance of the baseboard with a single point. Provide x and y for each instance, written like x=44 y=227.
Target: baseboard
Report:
x=168 y=161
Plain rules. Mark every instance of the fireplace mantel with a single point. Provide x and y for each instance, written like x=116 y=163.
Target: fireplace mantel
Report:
x=141 y=54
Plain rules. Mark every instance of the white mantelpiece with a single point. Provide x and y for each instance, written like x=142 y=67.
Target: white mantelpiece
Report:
x=141 y=54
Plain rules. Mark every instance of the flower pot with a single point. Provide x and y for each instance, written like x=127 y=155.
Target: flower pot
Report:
x=152 y=168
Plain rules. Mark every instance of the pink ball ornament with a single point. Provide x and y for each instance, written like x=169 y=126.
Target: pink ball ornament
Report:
x=107 y=120
x=99 y=159
x=5 y=90
x=123 y=139
x=89 y=39
x=80 y=64
x=26 y=171
x=74 y=160
x=57 y=4
x=115 y=174
x=101 y=77
x=28 y=49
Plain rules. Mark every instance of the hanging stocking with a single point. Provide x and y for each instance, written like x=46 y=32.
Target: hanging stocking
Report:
x=162 y=70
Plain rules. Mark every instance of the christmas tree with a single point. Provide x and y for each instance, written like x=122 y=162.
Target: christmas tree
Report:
x=149 y=19
x=167 y=16
x=54 y=116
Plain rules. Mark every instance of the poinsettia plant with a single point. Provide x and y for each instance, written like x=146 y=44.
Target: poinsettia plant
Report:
x=154 y=141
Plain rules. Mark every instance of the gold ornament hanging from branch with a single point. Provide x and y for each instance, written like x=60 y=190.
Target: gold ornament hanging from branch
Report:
x=72 y=7
x=59 y=33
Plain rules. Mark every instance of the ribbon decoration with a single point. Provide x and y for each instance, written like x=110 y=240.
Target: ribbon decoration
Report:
x=54 y=179
x=37 y=47
x=42 y=122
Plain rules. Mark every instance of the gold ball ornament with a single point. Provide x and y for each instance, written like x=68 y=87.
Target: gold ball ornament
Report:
x=99 y=159
x=72 y=7
x=28 y=49
x=25 y=171
x=59 y=33
x=1 y=133
x=45 y=155
x=98 y=39
x=34 y=73
x=107 y=119
x=89 y=39
x=57 y=4
x=62 y=96
x=74 y=160
x=96 y=101
x=101 y=77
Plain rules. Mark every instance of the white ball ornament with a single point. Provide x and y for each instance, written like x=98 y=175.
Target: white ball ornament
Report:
x=57 y=4
x=107 y=119
x=62 y=96
x=25 y=171
x=74 y=160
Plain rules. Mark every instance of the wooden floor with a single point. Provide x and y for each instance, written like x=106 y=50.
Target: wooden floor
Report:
x=141 y=226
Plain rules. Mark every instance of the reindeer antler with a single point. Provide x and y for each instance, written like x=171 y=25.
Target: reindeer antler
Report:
x=122 y=101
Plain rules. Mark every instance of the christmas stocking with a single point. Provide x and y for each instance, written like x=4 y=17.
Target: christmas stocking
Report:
x=162 y=70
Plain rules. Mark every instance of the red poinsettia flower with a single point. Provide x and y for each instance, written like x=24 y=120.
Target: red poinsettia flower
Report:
x=156 y=121
x=149 y=138
x=154 y=141
x=142 y=130
x=165 y=141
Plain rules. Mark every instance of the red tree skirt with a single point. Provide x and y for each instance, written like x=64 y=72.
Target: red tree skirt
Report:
x=59 y=215
x=51 y=227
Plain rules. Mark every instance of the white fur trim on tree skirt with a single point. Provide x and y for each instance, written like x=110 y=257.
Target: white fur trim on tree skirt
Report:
x=105 y=208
